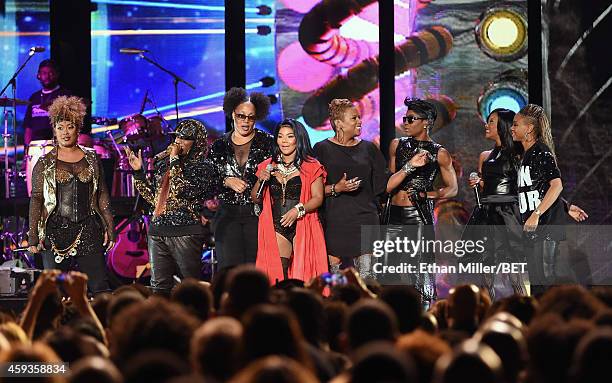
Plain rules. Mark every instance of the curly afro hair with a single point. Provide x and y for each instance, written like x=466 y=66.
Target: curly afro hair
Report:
x=65 y=108
x=237 y=96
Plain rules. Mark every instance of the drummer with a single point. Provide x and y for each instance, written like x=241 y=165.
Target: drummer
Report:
x=38 y=136
x=36 y=121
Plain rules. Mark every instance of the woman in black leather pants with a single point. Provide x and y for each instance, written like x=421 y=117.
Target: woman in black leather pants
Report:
x=415 y=161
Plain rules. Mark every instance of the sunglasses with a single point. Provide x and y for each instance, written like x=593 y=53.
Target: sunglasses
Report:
x=411 y=119
x=244 y=117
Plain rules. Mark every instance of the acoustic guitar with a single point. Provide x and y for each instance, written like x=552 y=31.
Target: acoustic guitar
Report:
x=130 y=253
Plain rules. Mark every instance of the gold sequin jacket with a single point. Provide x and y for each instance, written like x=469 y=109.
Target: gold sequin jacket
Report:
x=192 y=181
x=44 y=194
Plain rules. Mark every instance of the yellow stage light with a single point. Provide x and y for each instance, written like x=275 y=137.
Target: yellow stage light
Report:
x=502 y=32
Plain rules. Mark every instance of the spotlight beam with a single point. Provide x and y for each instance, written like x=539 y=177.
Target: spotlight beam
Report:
x=156 y=4
x=170 y=116
x=264 y=82
x=170 y=32
x=259 y=84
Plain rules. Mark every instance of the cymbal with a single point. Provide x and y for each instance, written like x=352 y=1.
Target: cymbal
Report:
x=9 y=101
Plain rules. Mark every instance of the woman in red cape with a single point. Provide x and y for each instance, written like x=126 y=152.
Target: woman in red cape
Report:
x=291 y=243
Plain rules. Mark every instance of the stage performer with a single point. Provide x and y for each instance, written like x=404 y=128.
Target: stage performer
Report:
x=183 y=178
x=236 y=155
x=499 y=219
x=291 y=239
x=356 y=178
x=539 y=189
x=415 y=161
x=70 y=214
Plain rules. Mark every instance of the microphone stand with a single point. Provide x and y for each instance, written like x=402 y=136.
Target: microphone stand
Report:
x=176 y=81
x=7 y=173
x=12 y=82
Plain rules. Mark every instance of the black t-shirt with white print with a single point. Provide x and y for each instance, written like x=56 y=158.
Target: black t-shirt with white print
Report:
x=538 y=168
x=37 y=113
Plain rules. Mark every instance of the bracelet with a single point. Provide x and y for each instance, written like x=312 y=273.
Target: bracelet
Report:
x=301 y=210
x=408 y=168
x=225 y=179
x=334 y=193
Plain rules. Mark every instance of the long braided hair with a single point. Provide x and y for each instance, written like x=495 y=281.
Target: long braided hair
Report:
x=537 y=117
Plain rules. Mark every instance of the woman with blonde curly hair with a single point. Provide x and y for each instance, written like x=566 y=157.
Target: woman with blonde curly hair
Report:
x=356 y=177
x=71 y=223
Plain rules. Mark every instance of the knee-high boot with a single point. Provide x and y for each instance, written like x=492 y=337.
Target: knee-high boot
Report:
x=286 y=262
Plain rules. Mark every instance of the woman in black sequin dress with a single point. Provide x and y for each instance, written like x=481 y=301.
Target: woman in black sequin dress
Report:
x=70 y=217
x=415 y=161
x=236 y=155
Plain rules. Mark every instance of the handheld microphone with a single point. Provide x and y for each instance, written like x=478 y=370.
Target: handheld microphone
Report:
x=165 y=153
x=37 y=49
x=262 y=184
x=133 y=51
x=161 y=155
x=474 y=176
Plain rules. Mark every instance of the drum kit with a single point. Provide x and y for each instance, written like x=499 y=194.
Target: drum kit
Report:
x=135 y=130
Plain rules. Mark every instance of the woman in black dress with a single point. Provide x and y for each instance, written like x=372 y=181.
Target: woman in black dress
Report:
x=499 y=219
x=236 y=155
x=356 y=177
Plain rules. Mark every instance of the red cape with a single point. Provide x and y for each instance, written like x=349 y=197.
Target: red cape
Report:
x=309 y=252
